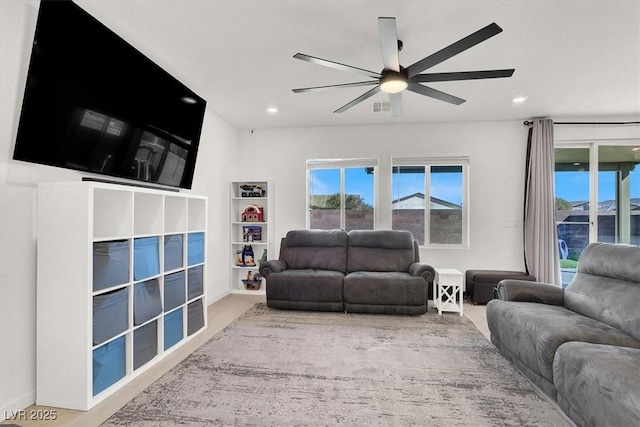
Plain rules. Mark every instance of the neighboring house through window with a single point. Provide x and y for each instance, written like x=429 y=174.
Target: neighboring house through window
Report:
x=443 y=182
x=341 y=194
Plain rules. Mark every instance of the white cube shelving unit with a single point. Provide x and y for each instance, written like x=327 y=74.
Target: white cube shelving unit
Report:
x=121 y=284
x=262 y=197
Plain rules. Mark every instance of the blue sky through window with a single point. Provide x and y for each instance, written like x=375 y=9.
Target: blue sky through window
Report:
x=574 y=186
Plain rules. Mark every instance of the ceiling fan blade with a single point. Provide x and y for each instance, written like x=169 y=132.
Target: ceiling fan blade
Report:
x=323 y=88
x=396 y=103
x=454 y=49
x=389 y=43
x=461 y=75
x=336 y=65
x=359 y=99
x=430 y=92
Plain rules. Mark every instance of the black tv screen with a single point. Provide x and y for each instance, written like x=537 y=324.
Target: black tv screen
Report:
x=94 y=103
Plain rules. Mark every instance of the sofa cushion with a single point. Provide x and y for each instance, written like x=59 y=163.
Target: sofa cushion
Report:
x=384 y=288
x=305 y=285
x=532 y=332
x=315 y=249
x=606 y=286
x=598 y=384
x=380 y=250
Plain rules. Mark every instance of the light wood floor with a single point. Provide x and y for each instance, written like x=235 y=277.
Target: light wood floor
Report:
x=220 y=315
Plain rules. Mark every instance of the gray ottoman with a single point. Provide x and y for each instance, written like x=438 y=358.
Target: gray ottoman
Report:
x=480 y=283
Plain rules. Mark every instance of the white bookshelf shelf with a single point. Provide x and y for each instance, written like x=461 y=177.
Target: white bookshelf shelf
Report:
x=238 y=239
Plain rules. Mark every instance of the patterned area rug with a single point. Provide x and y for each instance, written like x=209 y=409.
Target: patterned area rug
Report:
x=290 y=368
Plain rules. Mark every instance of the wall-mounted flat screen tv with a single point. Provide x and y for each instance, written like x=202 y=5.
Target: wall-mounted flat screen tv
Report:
x=94 y=103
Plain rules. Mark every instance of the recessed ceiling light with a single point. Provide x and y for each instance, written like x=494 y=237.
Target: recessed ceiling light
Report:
x=519 y=99
x=272 y=110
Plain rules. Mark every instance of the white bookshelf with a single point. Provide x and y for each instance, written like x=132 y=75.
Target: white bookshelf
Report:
x=121 y=284
x=239 y=200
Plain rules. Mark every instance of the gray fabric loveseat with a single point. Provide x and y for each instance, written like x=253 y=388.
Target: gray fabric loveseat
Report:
x=581 y=346
x=366 y=271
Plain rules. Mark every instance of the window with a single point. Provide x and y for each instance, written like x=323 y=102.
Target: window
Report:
x=341 y=194
x=430 y=199
x=597 y=189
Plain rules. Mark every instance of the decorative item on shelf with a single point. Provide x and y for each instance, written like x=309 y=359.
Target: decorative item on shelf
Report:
x=253 y=213
x=253 y=281
x=251 y=233
x=245 y=257
x=252 y=190
x=264 y=257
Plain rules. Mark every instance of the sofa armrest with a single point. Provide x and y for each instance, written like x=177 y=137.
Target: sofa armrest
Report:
x=526 y=291
x=271 y=266
x=420 y=269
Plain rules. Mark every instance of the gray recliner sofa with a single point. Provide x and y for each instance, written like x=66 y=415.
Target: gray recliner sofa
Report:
x=581 y=346
x=369 y=271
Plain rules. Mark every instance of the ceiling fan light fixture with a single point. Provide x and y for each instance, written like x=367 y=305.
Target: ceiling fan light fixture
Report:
x=393 y=82
x=394 y=78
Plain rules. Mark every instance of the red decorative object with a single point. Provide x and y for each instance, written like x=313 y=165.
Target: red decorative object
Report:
x=253 y=213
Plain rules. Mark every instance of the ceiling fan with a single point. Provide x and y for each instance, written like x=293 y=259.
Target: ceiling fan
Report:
x=395 y=78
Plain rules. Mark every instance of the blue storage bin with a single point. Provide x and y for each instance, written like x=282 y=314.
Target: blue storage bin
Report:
x=147 y=303
x=146 y=258
x=173 y=328
x=110 y=314
x=174 y=290
x=195 y=317
x=195 y=282
x=109 y=364
x=173 y=251
x=145 y=344
x=195 y=248
x=110 y=264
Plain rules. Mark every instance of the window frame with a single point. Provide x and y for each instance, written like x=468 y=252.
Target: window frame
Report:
x=428 y=162
x=341 y=165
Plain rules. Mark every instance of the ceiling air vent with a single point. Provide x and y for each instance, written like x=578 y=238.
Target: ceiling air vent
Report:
x=380 y=106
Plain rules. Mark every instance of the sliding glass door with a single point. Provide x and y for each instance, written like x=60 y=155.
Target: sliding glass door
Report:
x=597 y=198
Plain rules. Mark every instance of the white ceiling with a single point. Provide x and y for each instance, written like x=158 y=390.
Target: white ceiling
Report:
x=573 y=59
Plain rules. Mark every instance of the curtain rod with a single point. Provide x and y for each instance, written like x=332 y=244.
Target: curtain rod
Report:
x=528 y=123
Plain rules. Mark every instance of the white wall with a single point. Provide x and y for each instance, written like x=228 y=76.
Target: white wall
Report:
x=214 y=165
x=18 y=184
x=17 y=204
x=497 y=159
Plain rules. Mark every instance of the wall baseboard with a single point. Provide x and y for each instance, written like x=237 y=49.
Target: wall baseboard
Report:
x=15 y=410
x=218 y=297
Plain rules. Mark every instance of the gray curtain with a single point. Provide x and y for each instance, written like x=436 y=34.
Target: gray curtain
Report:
x=540 y=233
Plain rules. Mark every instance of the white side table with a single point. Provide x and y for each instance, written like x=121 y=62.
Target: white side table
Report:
x=449 y=285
